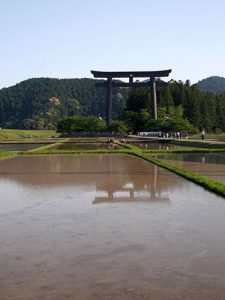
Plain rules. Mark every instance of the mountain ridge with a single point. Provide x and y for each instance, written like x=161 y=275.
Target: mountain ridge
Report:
x=213 y=84
x=41 y=102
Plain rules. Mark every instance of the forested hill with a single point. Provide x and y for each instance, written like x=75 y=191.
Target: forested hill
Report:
x=41 y=102
x=214 y=84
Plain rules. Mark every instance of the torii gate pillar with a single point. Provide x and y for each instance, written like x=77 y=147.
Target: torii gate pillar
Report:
x=109 y=102
x=153 y=98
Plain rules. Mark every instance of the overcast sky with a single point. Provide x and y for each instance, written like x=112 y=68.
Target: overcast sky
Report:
x=68 y=38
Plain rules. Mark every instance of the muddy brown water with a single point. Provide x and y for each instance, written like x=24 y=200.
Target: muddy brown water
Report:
x=211 y=165
x=20 y=147
x=107 y=227
x=84 y=146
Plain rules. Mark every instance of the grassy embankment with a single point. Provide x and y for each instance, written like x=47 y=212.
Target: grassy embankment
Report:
x=42 y=136
x=7 y=154
x=14 y=135
x=47 y=149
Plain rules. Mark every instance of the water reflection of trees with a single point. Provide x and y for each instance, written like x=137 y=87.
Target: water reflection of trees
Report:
x=208 y=158
x=116 y=177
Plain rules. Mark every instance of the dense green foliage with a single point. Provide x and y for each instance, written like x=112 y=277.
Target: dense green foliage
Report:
x=40 y=103
x=214 y=84
x=88 y=124
x=170 y=117
x=81 y=124
x=201 y=109
x=118 y=126
x=181 y=107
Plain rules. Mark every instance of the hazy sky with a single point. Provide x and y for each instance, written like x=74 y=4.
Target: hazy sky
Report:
x=68 y=38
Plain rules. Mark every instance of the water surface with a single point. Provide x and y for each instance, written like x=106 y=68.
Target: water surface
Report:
x=107 y=227
x=159 y=146
x=20 y=147
x=211 y=165
x=84 y=146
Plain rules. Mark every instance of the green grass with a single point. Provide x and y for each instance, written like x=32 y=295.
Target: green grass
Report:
x=5 y=155
x=44 y=148
x=25 y=135
x=10 y=153
x=129 y=147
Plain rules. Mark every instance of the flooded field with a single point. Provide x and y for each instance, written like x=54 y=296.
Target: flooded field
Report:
x=84 y=146
x=159 y=146
x=211 y=165
x=107 y=227
x=20 y=147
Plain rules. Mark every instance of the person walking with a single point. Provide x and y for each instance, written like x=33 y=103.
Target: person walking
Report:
x=203 y=134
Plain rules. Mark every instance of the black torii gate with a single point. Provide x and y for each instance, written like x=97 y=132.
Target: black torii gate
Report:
x=109 y=84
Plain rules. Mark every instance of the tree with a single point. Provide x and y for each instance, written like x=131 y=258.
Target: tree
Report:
x=136 y=120
x=166 y=98
x=192 y=106
x=42 y=102
x=207 y=114
x=53 y=99
x=138 y=99
x=119 y=126
x=178 y=124
x=80 y=124
x=35 y=123
x=220 y=114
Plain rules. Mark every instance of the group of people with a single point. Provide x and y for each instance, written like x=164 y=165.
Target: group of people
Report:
x=179 y=135
x=176 y=135
x=111 y=142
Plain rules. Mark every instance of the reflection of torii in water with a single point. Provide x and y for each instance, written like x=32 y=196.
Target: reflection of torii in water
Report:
x=131 y=187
